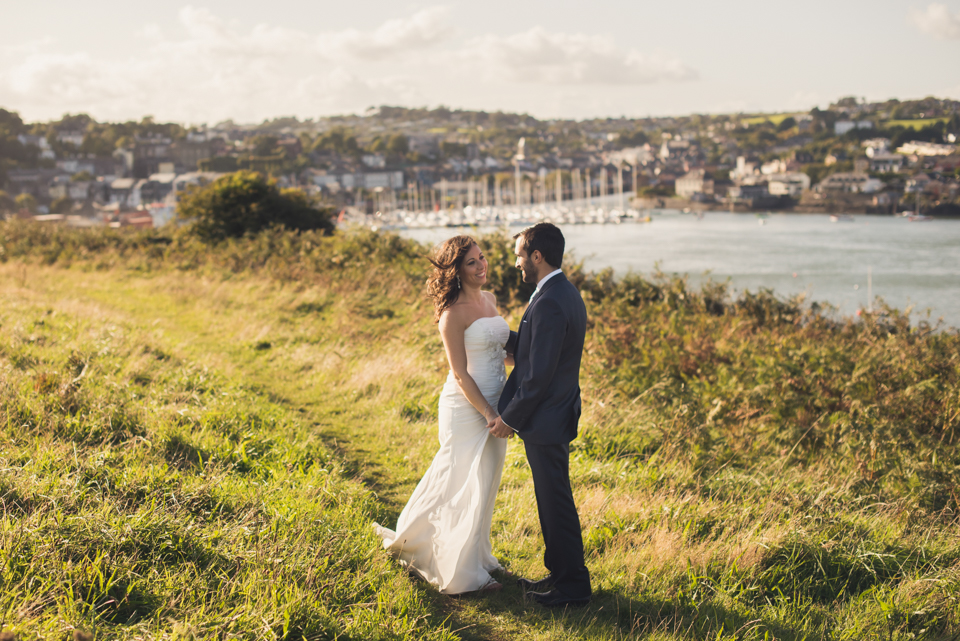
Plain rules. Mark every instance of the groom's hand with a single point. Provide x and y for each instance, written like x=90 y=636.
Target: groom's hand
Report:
x=500 y=429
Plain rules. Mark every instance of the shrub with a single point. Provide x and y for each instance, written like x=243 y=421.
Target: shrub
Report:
x=245 y=203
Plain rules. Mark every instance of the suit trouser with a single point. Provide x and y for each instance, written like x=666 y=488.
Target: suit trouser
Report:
x=559 y=522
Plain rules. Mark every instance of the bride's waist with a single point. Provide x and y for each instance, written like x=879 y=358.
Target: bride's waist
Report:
x=490 y=384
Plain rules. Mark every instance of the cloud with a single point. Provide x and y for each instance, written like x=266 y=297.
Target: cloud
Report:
x=539 y=56
x=937 y=21
x=213 y=70
x=393 y=38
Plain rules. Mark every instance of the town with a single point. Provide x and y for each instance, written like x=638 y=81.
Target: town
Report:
x=400 y=167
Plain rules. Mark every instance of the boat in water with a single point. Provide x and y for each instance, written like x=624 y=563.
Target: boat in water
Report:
x=841 y=218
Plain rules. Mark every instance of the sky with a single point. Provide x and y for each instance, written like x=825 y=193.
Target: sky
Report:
x=248 y=61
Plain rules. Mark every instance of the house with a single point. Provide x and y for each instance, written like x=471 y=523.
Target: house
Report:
x=788 y=184
x=76 y=165
x=850 y=182
x=885 y=162
x=921 y=148
x=40 y=143
x=35 y=182
x=775 y=166
x=70 y=137
x=694 y=182
x=194 y=178
x=120 y=191
x=875 y=146
x=843 y=126
x=424 y=144
x=152 y=190
x=374 y=161
x=63 y=187
x=748 y=192
x=745 y=167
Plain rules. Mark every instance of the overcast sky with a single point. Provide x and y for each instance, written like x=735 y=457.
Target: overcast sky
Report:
x=244 y=60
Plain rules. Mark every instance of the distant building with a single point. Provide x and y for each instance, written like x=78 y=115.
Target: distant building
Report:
x=374 y=161
x=745 y=167
x=920 y=148
x=875 y=146
x=886 y=162
x=70 y=137
x=424 y=144
x=775 y=166
x=850 y=182
x=843 y=126
x=788 y=184
x=39 y=142
x=748 y=192
x=694 y=182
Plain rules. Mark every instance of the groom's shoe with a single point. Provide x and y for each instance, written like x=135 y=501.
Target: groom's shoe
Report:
x=536 y=586
x=556 y=599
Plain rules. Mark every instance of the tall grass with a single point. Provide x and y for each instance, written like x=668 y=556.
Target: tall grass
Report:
x=749 y=467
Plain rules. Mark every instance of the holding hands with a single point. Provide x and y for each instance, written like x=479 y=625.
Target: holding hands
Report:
x=498 y=428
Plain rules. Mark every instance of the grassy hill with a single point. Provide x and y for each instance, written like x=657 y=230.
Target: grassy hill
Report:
x=194 y=440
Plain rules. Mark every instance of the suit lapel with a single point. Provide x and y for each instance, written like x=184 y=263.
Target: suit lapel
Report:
x=536 y=297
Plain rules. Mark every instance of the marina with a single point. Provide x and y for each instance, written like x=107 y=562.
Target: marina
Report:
x=911 y=266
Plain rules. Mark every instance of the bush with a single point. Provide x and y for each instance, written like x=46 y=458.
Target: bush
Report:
x=245 y=203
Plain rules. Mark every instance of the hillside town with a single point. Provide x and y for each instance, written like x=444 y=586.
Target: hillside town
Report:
x=423 y=167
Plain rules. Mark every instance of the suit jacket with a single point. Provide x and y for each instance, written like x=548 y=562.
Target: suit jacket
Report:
x=541 y=399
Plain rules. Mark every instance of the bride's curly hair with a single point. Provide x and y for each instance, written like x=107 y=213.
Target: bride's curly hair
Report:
x=442 y=285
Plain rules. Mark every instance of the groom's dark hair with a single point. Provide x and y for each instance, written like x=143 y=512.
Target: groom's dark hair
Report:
x=545 y=238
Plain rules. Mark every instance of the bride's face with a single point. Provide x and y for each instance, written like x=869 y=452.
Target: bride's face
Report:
x=473 y=271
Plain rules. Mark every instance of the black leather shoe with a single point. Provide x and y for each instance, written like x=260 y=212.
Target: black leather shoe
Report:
x=556 y=599
x=536 y=586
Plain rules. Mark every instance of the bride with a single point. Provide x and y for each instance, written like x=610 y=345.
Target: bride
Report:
x=443 y=533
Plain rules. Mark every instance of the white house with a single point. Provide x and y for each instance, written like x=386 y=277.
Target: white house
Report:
x=843 y=126
x=694 y=182
x=921 y=148
x=788 y=184
x=374 y=161
x=875 y=146
x=850 y=182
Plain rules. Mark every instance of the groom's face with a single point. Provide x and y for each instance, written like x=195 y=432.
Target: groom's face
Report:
x=524 y=264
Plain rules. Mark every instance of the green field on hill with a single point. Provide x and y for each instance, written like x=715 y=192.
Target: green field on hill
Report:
x=195 y=439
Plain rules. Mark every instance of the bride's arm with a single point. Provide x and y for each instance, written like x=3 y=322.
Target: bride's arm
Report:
x=451 y=330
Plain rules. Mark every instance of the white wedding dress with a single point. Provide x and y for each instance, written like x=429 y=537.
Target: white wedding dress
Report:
x=443 y=533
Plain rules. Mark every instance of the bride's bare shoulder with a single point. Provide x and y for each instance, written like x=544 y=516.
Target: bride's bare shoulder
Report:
x=452 y=318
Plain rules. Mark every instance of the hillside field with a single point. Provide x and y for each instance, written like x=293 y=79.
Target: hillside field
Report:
x=195 y=439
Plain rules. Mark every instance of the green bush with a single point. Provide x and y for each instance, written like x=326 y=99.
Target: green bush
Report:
x=245 y=203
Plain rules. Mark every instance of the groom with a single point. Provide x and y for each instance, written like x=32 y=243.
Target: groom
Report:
x=541 y=403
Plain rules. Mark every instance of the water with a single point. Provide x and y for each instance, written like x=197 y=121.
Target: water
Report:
x=913 y=264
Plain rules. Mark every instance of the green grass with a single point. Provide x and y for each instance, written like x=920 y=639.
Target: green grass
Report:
x=916 y=124
x=775 y=119
x=193 y=443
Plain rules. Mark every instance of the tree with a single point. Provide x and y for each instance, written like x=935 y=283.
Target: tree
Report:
x=263 y=145
x=245 y=203
x=26 y=201
x=6 y=202
x=61 y=205
x=787 y=123
x=398 y=144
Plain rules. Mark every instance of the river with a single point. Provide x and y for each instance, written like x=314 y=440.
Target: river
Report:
x=909 y=264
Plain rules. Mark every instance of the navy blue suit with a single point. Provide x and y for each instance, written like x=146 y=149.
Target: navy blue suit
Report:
x=541 y=402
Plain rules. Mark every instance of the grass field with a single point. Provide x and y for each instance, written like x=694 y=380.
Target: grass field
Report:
x=916 y=124
x=775 y=119
x=194 y=441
